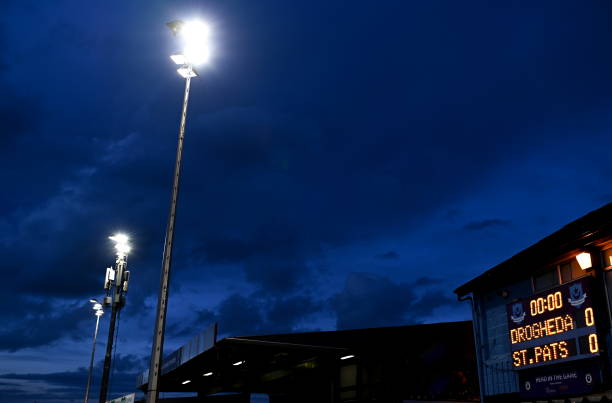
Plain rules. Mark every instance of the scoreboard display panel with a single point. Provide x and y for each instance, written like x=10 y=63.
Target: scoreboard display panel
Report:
x=555 y=326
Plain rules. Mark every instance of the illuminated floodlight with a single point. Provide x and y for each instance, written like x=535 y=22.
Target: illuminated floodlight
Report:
x=584 y=260
x=346 y=357
x=179 y=59
x=195 y=36
x=121 y=244
x=186 y=382
x=187 y=72
x=97 y=307
x=207 y=374
x=119 y=238
x=238 y=363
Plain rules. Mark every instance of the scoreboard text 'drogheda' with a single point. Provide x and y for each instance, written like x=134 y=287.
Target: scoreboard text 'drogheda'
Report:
x=554 y=326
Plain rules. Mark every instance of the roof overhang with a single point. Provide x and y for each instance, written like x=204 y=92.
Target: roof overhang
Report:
x=593 y=229
x=221 y=360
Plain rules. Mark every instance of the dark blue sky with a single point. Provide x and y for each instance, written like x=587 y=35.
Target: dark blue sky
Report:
x=347 y=164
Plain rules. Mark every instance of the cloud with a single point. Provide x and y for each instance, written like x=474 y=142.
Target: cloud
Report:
x=255 y=314
x=273 y=169
x=485 y=224
x=68 y=386
x=287 y=314
x=426 y=281
x=369 y=300
x=35 y=324
x=273 y=256
x=185 y=330
x=225 y=250
x=240 y=316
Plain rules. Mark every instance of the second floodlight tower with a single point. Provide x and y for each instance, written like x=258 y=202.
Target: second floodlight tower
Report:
x=115 y=285
x=194 y=36
x=97 y=307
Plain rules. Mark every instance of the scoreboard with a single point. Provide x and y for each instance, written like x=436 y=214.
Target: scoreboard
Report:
x=555 y=326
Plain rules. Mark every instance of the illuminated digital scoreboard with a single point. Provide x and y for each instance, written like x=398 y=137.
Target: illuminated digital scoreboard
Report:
x=555 y=326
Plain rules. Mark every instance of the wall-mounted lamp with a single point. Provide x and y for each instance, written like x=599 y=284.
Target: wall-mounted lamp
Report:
x=584 y=260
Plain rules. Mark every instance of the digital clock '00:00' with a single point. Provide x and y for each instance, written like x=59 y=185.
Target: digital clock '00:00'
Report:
x=549 y=303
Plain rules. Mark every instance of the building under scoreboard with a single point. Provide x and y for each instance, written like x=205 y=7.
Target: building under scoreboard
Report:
x=542 y=318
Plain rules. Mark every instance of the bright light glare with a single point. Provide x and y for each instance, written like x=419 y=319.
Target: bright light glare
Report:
x=195 y=31
x=195 y=36
x=119 y=238
x=196 y=54
x=186 y=382
x=123 y=249
x=121 y=243
x=346 y=357
x=238 y=363
x=207 y=374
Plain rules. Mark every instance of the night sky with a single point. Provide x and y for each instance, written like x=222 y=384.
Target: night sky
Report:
x=346 y=165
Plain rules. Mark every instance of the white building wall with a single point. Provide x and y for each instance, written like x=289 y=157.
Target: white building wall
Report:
x=498 y=376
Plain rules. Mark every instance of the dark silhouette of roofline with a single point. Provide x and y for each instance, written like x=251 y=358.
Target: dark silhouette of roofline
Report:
x=349 y=331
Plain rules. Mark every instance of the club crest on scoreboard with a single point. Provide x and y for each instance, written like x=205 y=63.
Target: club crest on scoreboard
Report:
x=518 y=314
x=577 y=295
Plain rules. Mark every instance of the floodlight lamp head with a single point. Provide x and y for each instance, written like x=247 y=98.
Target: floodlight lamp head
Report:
x=121 y=244
x=194 y=36
x=175 y=26
x=187 y=71
x=179 y=59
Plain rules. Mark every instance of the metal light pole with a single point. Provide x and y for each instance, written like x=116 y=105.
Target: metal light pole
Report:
x=99 y=312
x=194 y=35
x=116 y=278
